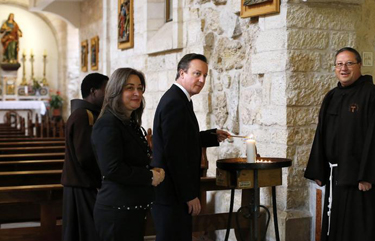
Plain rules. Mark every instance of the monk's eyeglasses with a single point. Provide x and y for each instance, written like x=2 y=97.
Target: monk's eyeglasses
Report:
x=347 y=64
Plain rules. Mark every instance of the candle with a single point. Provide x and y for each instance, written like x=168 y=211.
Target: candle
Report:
x=26 y=89
x=45 y=52
x=24 y=52
x=31 y=52
x=250 y=150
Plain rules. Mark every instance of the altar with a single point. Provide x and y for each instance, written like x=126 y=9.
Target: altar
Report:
x=22 y=108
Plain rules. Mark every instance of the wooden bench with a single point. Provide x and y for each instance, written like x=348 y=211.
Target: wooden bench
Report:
x=32 y=156
x=39 y=202
x=32 y=143
x=36 y=177
x=29 y=165
x=30 y=139
x=32 y=149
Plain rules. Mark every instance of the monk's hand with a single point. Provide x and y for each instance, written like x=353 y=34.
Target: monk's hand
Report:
x=318 y=182
x=194 y=206
x=364 y=186
x=222 y=135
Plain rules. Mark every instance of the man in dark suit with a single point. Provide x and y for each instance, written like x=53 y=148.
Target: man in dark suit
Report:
x=177 y=146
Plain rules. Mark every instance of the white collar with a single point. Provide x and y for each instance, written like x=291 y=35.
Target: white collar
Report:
x=184 y=90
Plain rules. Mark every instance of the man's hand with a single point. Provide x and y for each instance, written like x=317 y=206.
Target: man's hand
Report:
x=194 y=206
x=364 y=186
x=222 y=135
x=318 y=182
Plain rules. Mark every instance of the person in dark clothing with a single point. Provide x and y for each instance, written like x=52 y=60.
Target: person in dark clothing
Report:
x=81 y=176
x=177 y=147
x=343 y=153
x=124 y=156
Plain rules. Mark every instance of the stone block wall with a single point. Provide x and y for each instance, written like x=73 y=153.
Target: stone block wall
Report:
x=268 y=76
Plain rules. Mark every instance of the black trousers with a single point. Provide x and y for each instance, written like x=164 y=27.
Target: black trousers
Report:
x=119 y=224
x=172 y=222
x=78 y=221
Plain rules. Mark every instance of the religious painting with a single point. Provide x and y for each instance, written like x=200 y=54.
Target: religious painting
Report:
x=125 y=30
x=84 y=53
x=253 y=8
x=367 y=59
x=94 y=50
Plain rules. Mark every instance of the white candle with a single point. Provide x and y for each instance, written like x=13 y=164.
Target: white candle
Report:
x=26 y=89
x=250 y=150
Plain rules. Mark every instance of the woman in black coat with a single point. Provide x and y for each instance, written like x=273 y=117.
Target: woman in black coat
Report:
x=123 y=156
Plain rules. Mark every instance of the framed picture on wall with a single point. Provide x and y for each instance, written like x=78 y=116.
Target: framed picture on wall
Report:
x=367 y=59
x=125 y=30
x=84 y=53
x=253 y=8
x=94 y=51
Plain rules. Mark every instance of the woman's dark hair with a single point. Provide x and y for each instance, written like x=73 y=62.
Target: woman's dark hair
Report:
x=113 y=94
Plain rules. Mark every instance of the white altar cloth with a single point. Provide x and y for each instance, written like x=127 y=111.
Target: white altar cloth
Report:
x=37 y=106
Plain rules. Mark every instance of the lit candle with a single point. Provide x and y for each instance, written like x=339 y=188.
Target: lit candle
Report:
x=250 y=150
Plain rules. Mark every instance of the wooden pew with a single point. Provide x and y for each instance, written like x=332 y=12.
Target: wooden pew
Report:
x=30 y=139
x=32 y=143
x=30 y=189
x=32 y=156
x=31 y=165
x=32 y=149
x=46 y=127
x=23 y=178
x=46 y=199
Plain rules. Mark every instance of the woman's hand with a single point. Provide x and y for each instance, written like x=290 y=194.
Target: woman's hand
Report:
x=158 y=175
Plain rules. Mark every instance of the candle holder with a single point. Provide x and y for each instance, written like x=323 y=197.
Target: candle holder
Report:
x=44 y=80
x=32 y=65
x=24 y=81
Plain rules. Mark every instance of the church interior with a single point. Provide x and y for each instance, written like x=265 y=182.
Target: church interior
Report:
x=270 y=65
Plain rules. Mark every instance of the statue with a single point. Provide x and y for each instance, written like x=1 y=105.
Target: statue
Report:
x=10 y=40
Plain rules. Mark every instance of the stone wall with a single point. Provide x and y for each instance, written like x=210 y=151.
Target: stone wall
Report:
x=267 y=77
x=315 y=29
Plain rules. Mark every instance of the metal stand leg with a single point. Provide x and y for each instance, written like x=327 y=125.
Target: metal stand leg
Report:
x=275 y=213
x=230 y=214
x=256 y=206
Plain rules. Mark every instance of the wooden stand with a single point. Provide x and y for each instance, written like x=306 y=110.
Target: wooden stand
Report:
x=237 y=173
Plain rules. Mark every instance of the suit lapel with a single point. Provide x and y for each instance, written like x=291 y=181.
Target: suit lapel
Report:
x=187 y=104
